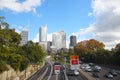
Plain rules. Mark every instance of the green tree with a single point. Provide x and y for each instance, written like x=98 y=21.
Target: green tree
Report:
x=9 y=39
x=33 y=52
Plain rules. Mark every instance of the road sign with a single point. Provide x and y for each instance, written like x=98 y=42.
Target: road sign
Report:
x=74 y=62
x=57 y=67
x=74 y=57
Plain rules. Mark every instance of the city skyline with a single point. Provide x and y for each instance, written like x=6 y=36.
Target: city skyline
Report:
x=86 y=19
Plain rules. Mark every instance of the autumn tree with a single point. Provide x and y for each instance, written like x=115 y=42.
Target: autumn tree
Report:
x=88 y=49
x=80 y=48
x=88 y=45
x=93 y=44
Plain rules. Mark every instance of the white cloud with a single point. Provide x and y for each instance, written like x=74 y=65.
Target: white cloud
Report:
x=106 y=27
x=36 y=39
x=90 y=14
x=19 y=28
x=15 y=6
x=107 y=21
x=67 y=44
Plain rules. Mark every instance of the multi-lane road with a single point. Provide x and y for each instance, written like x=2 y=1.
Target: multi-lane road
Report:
x=47 y=73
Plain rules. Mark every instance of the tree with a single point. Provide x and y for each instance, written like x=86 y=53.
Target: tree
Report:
x=93 y=44
x=9 y=39
x=88 y=46
x=80 y=48
x=117 y=46
x=33 y=52
x=116 y=56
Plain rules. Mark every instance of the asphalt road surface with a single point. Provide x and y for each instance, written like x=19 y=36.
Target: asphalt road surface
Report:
x=47 y=73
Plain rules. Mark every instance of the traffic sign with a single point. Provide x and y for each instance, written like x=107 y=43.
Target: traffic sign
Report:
x=57 y=67
x=74 y=62
x=74 y=57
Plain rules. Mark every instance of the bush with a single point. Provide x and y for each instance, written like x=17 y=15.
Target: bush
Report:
x=3 y=66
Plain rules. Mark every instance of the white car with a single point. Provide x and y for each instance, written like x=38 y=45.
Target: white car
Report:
x=98 y=67
x=88 y=69
x=76 y=72
x=109 y=75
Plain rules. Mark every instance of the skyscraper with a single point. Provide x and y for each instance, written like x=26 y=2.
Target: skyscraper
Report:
x=24 y=36
x=63 y=35
x=59 y=40
x=43 y=34
x=72 y=41
x=43 y=37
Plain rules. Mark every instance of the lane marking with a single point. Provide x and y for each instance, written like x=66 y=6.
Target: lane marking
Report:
x=50 y=71
x=41 y=77
x=56 y=76
x=66 y=78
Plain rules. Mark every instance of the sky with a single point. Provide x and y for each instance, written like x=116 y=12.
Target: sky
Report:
x=87 y=19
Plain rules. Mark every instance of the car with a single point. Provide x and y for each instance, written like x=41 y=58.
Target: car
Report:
x=91 y=64
x=98 y=67
x=108 y=75
x=88 y=69
x=86 y=65
x=96 y=74
x=76 y=72
x=96 y=70
x=80 y=62
x=70 y=72
x=113 y=72
x=82 y=67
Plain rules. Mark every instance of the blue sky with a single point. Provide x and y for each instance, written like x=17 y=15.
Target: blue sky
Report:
x=83 y=18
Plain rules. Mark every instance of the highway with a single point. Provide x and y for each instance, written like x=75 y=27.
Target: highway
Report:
x=47 y=73
x=40 y=74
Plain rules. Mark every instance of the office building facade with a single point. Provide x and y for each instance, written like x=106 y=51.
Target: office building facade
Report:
x=43 y=34
x=24 y=36
x=43 y=37
x=73 y=41
x=59 y=40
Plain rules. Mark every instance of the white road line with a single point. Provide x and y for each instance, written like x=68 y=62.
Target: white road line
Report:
x=41 y=77
x=66 y=78
x=56 y=76
x=50 y=71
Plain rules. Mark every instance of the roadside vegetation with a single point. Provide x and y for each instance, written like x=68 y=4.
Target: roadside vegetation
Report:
x=92 y=51
x=11 y=53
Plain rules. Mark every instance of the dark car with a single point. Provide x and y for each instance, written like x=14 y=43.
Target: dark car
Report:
x=96 y=74
x=70 y=72
x=96 y=70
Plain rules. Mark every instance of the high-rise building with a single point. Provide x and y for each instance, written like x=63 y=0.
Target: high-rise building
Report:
x=49 y=44
x=43 y=37
x=43 y=33
x=59 y=40
x=63 y=35
x=72 y=41
x=24 y=36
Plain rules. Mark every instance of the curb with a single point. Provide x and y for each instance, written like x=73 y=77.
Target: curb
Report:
x=87 y=76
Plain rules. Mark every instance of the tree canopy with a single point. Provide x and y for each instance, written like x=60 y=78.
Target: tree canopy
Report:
x=11 y=53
